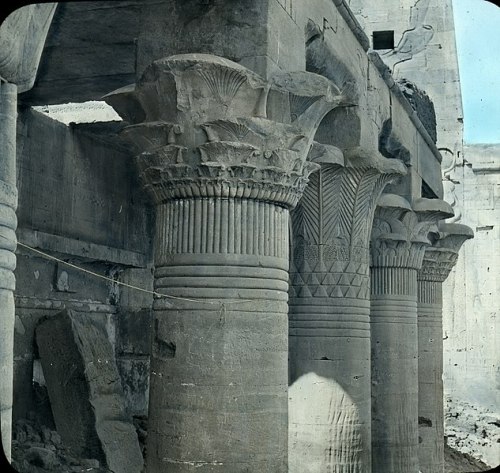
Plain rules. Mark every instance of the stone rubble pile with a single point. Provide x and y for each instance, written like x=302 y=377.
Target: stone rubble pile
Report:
x=468 y=429
x=38 y=449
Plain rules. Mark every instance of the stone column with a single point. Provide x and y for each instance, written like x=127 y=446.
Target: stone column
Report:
x=398 y=243
x=224 y=167
x=329 y=394
x=8 y=241
x=438 y=262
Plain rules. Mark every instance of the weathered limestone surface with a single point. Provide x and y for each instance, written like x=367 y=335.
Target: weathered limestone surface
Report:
x=22 y=38
x=263 y=35
x=223 y=155
x=8 y=224
x=438 y=261
x=424 y=53
x=85 y=391
x=398 y=242
x=100 y=221
x=329 y=393
x=471 y=324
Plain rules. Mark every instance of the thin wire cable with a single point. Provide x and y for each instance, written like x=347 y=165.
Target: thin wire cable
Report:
x=120 y=283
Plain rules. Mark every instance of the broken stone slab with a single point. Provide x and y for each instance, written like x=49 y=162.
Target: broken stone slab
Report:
x=85 y=391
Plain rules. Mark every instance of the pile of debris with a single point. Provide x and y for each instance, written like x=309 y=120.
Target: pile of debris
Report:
x=38 y=449
x=458 y=462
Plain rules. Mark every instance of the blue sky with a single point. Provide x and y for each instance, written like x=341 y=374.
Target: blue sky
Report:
x=477 y=27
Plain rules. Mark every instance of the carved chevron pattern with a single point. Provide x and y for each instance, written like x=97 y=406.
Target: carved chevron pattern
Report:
x=336 y=279
x=336 y=210
x=331 y=203
x=362 y=219
x=306 y=221
x=331 y=227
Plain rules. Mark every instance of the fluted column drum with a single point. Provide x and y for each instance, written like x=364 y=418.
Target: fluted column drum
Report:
x=399 y=238
x=223 y=173
x=438 y=262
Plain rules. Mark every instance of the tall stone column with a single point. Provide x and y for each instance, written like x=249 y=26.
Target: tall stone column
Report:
x=438 y=262
x=8 y=241
x=398 y=243
x=224 y=166
x=329 y=394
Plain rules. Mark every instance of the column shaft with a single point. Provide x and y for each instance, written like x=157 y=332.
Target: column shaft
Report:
x=223 y=174
x=8 y=224
x=394 y=370
x=330 y=405
x=438 y=262
x=219 y=367
x=430 y=377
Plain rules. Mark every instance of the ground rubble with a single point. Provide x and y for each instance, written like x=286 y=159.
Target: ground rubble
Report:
x=37 y=448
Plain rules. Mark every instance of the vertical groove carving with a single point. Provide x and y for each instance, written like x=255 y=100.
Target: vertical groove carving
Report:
x=180 y=227
x=394 y=281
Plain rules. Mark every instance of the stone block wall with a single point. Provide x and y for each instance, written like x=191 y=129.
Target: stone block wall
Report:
x=79 y=203
x=470 y=317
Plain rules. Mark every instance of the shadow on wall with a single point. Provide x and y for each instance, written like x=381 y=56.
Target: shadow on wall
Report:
x=331 y=415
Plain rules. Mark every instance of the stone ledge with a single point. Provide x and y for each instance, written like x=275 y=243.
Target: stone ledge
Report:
x=86 y=250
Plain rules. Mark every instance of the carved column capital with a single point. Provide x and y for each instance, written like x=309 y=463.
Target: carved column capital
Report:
x=202 y=127
x=440 y=259
x=400 y=232
x=398 y=237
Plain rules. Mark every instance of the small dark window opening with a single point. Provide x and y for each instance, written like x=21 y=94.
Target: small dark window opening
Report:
x=383 y=39
x=427 y=192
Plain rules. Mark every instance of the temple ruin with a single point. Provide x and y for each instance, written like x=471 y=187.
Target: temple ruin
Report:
x=247 y=249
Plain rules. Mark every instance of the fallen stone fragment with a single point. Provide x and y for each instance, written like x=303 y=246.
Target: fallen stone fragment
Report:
x=85 y=391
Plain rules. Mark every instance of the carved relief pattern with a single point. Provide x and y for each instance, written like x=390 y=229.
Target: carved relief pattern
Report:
x=330 y=233
x=398 y=239
x=232 y=226
x=440 y=259
x=204 y=131
x=429 y=292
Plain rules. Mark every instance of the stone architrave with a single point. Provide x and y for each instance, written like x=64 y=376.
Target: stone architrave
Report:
x=438 y=262
x=223 y=154
x=86 y=393
x=8 y=242
x=329 y=394
x=398 y=242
